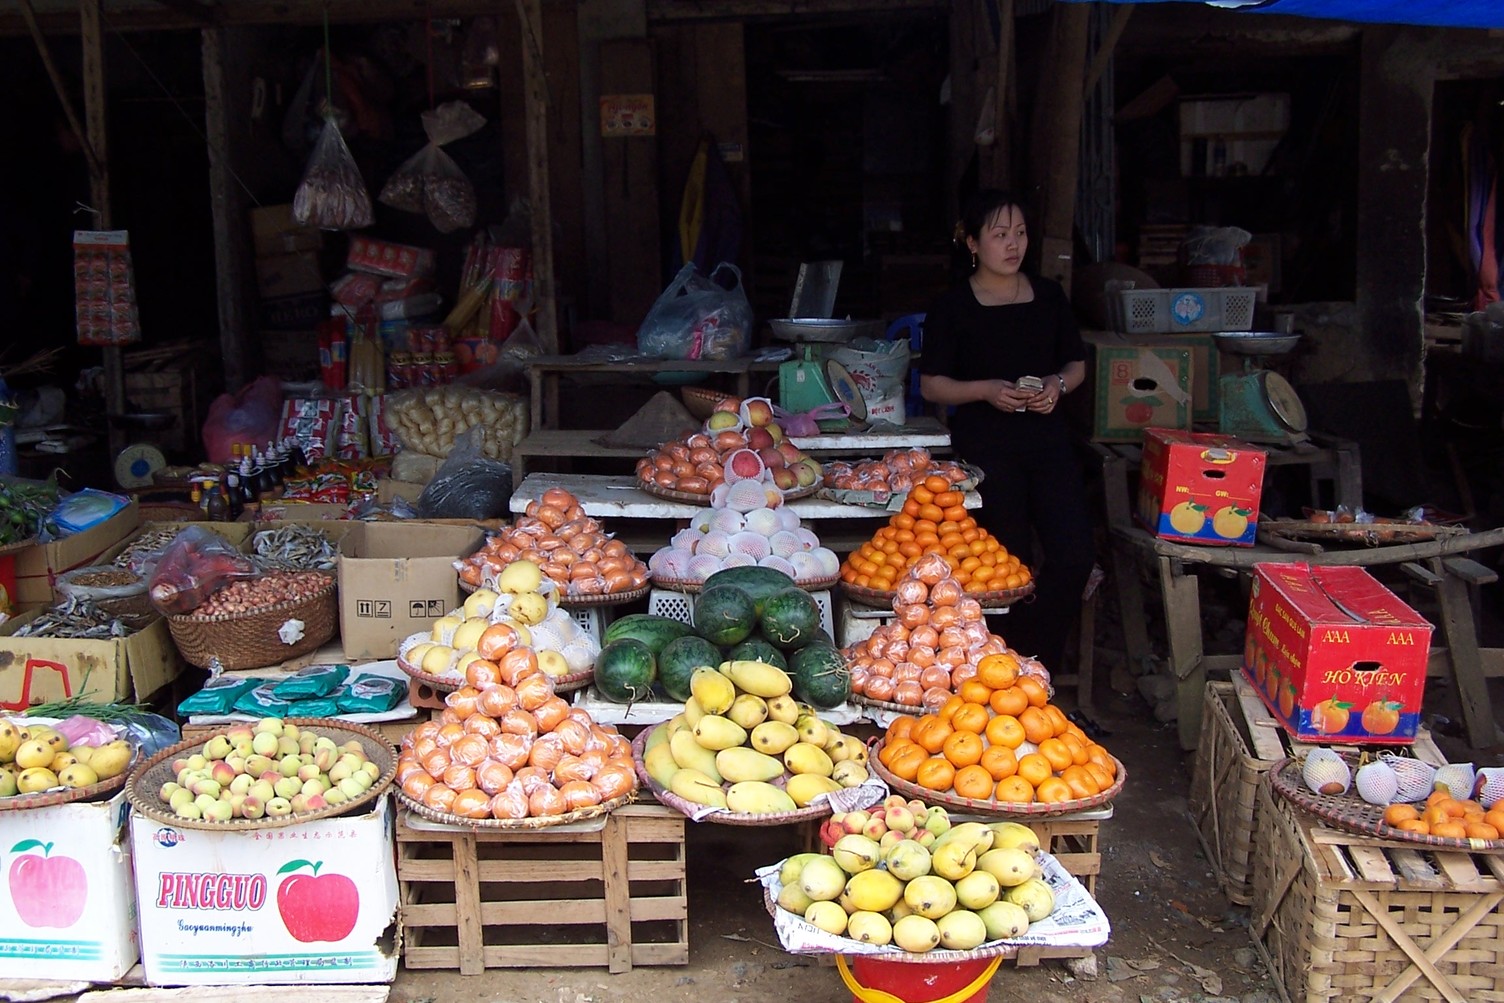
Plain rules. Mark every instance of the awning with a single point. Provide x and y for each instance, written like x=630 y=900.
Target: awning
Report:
x=1433 y=13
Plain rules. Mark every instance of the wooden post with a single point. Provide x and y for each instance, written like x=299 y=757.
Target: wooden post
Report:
x=228 y=208
x=530 y=14
x=1054 y=163
x=966 y=19
x=997 y=160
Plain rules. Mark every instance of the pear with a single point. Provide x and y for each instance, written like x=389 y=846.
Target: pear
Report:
x=519 y=578
x=10 y=741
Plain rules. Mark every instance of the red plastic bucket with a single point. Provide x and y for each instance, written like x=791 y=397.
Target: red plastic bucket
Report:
x=873 y=980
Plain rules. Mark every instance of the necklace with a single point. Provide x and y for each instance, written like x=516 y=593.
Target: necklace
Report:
x=1018 y=290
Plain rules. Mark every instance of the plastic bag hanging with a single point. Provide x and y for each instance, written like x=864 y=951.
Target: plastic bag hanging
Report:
x=430 y=181
x=332 y=194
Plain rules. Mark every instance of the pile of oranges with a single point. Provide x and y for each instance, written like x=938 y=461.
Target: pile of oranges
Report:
x=998 y=738
x=1444 y=815
x=933 y=520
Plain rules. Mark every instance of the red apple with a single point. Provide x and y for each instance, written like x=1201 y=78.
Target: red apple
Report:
x=759 y=411
x=790 y=453
x=785 y=478
x=771 y=458
x=317 y=907
x=745 y=464
x=760 y=438
x=47 y=891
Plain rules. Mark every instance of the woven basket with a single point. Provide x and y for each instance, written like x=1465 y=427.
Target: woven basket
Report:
x=249 y=640
x=688 y=808
x=989 y=600
x=103 y=790
x=990 y=807
x=147 y=779
x=694 y=499
x=701 y=401
x=513 y=824
x=1224 y=795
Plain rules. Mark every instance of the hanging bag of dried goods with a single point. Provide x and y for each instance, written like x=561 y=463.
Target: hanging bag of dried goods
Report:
x=332 y=195
x=430 y=181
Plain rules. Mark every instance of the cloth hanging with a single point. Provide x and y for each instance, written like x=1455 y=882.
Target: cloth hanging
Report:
x=710 y=216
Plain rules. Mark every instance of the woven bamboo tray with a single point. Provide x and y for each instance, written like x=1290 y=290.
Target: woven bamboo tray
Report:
x=582 y=601
x=688 y=808
x=441 y=684
x=694 y=499
x=574 y=681
x=692 y=588
x=901 y=708
x=514 y=824
x=1352 y=814
x=990 y=600
x=1369 y=533
x=997 y=950
x=65 y=795
x=249 y=640
x=147 y=779
x=991 y=807
x=701 y=401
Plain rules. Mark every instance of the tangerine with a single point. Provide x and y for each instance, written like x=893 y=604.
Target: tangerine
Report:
x=973 y=690
x=931 y=732
x=936 y=774
x=973 y=782
x=998 y=670
x=1034 y=690
x=948 y=709
x=1096 y=754
x=1011 y=701
x=999 y=761
x=906 y=762
x=1057 y=717
x=1036 y=725
x=1415 y=825
x=1080 y=781
x=963 y=748
x=1451 y=829
x=902 y=727
x=935 y=484
x=1495 y=817
x=1057 y=752
x=1005 y=730
x=1480 y=830
x=1014 y=790
x=1034 y=768
x=972 y=717
x=1077 y=747
x=1101 y=776
x=1053 y=791
x=892 y=748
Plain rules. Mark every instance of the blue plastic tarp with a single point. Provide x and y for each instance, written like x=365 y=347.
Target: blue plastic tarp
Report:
x=1435 y=13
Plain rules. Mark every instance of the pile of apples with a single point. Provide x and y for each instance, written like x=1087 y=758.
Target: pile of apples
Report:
x=520 y=606
x=35 y=757
x=889 y=822
x=975 y=883
x=269 y=769
x=740 y=441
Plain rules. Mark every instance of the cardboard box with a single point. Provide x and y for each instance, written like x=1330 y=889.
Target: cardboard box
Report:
x=68 y=909
x=1206 y=369
x=1335 y=655
x=288 y=275
x=37 y=670
x=395 y=579
x=1135 y=387
x=39 y=565
x=236 y=532
x=276 y=232
x=314 y=902
x=1200 y=487
x=302 y=312
x=382 y=257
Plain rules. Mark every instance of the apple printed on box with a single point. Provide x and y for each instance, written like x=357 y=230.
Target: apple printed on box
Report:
x=67 y=906
x=312 y=902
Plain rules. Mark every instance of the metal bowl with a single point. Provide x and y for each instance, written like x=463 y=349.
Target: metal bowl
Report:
x=1255 y=342
x=805 y=329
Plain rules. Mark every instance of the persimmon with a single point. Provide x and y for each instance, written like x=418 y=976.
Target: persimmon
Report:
x=1036 y=725
x=1434 y=816
x=902 y=727
x=1495 y=817
x=999 y=761
x=1096 y=754
x=1480 y=830
x=963 y=748
x=1057 y=752
x=1005 y=730
x=950 y=498
x=1053 y=790
x=891 y=748
x=1077 y=747
x=1451 y=829
x=1014 y=790
x=935 y=484
x=948 y=709
x=905 y=763
x=1414 y=825
x=973 y=782
x=1080 y=781
x=973 y=690
x=1034 y=690
x=972 y=717
x=1035 y=768
x=1011 y=701
x=1102 y=777
x=999 y=670
x=1057 y=717
x=931 y=732
x=936 y=774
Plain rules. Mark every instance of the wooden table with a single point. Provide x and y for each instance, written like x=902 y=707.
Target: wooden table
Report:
x=579 y=443
x=544 y=372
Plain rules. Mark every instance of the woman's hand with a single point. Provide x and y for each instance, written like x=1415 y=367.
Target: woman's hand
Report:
x=1004 y=396
x=1045 y=400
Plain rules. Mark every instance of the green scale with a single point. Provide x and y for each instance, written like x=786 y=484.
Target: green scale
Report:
x=1258 y=404
x=810 y=380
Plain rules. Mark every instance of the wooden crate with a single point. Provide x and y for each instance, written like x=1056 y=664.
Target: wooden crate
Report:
x=1240 y=741
x=1344 y=918
x=612 y=896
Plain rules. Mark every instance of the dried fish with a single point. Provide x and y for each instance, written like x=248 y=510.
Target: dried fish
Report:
x=295 y=547
x=75 y=618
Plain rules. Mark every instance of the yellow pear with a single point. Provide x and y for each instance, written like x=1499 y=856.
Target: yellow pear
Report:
x=111 y=760
x=519 y=578
x=37 y=778
x=34 y=753
x=10 y=741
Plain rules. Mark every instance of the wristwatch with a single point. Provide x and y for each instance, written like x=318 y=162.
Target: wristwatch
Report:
x=1062 y=384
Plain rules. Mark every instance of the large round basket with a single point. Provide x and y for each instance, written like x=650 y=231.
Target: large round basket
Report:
x=998 y=599
x=574 y=681
x=147 y=779
x=691 y=588
x=989 y=806
x=544 y=822
x=442 y=684
x=997 y=949
x=688 y=808
x=901 y=708
x=1353 y=814
x=701 y=401
x=582 y=601
x=249 y=640
x=697 y=499
x=102 y=790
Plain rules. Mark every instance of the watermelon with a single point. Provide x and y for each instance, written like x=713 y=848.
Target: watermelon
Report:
x=678 y=661
x=790 y=618
x=757 y=649
x=724 y=614
x=654 y=631
x=759 y=583
x=821 y=676
x=624 y=671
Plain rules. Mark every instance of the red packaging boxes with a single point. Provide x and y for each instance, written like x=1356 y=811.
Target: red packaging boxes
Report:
x=380 y=257
x=1200 y=487
x=1335 y=655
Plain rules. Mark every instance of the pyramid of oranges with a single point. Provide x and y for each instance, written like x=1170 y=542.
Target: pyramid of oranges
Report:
x=998 y=738
x=934 y=520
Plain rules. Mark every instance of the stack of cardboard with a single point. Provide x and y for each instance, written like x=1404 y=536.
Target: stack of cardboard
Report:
x=293 y=295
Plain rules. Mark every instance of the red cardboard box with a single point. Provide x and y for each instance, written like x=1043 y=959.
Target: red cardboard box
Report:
x=1200 y=487
x=1335 y=655
x=382 y=257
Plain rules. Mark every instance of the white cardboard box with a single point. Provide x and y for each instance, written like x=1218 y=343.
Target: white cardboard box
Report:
x=67 y=904
x=313 y=902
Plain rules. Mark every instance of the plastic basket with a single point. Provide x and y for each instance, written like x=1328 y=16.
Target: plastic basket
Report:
x=1183 y=311
x=680 y=606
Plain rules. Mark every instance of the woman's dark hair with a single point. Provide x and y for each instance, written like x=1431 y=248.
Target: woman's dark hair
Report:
x=980 y=207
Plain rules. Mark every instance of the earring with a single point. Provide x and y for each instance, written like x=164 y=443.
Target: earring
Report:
x=973 y=260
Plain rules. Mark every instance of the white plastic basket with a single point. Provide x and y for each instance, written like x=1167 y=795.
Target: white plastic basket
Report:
x=680 y=606
x=1183 y=311
x=589 y=620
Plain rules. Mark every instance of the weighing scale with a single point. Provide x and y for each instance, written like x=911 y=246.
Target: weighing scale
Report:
x=810 y=380
x=1259 y=404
